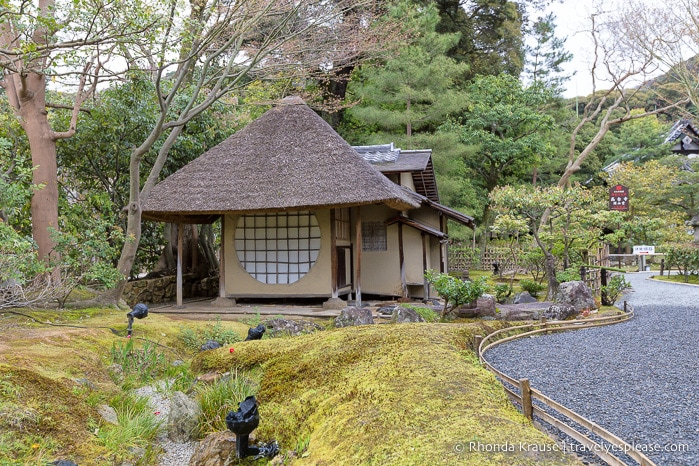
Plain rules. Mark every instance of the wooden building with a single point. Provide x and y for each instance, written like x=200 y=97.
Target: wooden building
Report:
x=303 y=214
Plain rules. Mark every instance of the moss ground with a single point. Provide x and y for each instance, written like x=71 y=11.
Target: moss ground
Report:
x=385 y=394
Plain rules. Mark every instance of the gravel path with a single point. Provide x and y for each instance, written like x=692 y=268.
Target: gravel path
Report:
x=638 y=379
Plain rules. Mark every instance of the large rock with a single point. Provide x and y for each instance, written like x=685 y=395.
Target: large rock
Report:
x=523 y=298
x=182 y=418
x=108 y=413
x=351 y=316
x=402 y=315
x=560 y=312
x=214 y=450
x=483 y=306
x=575 y=294
x=294 y=328
x=519 y=314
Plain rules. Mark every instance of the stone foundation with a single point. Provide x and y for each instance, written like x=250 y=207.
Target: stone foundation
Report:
x=164 y=289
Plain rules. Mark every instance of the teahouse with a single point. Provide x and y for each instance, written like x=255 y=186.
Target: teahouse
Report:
x=303 y=214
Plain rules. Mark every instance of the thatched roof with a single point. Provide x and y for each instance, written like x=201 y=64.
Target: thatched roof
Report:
x=288 y=159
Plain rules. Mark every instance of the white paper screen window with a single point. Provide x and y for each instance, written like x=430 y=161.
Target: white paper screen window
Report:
x=265 y=252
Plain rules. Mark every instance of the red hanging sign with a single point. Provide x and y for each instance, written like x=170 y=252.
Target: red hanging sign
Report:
x=619 y=198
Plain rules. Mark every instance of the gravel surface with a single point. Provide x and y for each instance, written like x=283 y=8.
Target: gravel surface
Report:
x=175 y=453
x=637 y=379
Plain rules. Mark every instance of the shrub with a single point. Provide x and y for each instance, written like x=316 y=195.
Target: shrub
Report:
x=570 y=274
x=532 y=287
x=195 y=338
x=614 y=288
x=425 y=312
x=454 y=291
x=683 y=256
x=502 y=291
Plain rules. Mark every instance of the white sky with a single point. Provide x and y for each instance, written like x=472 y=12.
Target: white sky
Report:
x=573 y=22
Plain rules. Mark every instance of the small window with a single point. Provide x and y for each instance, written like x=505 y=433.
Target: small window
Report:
x=342 y=224
x=374 y=236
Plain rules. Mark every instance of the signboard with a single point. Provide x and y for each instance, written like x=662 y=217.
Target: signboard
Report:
x=619 y=198
x=644 y=249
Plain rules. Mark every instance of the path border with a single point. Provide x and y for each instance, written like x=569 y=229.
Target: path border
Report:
x=545 y=405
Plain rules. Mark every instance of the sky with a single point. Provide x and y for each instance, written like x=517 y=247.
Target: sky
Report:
x=573 y=22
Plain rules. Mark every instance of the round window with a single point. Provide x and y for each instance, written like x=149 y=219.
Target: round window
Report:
x=278 y=248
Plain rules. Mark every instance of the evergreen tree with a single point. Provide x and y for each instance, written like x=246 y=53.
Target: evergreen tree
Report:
x=546 y=55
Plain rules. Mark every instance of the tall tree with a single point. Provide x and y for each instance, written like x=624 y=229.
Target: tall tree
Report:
x=69 y=42
x=414 y=91
x=505 y=124
x=546 y=55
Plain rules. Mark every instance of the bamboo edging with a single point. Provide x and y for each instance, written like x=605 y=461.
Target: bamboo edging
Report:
x=527 y=394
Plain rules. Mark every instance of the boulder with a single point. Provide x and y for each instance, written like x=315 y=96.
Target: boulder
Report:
x=294 y=328
x=402 y=315
x=520 y=314
x=576 y=294
x=386 y=311
x=210 y=344
x=486 y=305
x=523 y=298
x=351 y=316
x=108 y=413
x=214 y=450
x=182 y=418
x=560 y=312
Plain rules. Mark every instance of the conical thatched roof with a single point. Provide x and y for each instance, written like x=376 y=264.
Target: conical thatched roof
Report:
x=288 y=159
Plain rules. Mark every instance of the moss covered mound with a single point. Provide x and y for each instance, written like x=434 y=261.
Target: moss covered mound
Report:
x=386 y=394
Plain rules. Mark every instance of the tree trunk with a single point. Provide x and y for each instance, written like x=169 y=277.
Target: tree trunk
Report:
x=44 y=204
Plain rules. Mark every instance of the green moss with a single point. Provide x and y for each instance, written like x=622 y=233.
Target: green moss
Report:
x=403 y=394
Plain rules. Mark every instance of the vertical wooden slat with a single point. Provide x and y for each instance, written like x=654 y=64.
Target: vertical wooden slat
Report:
x=358 y=256
x=222 y=261
x=526 y=392
x=333 y=254
x=179 y=263
x=401 y=255
x=425 y=283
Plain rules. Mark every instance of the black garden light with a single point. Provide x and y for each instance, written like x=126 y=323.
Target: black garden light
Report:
x=242 y=423
x=139 y=311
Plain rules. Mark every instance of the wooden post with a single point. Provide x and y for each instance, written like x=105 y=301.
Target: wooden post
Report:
x=526 y=391
x=180 y=235
x=477 y=343
x=333 y=254
x=401 y=254
x=358 y=256
x=662 y=267
x=222 y=261
x=425 y=283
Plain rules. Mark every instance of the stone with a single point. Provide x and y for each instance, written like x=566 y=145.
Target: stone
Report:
x=523 y=298
x=386 y=310
x=486 y=305
x=334 y=304
x=223 y=302
x=182 y=418
x=521 y=314
x=560 y=312
x=351 y=316
x=210 y=345
x=210 y=377
x=108 y=413
x=294 y=328
x=576 y=294
x=215 y=450
x=403 y=315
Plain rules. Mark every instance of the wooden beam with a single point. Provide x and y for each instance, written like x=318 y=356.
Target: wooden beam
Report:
x=180 y=234
x=401 y=255
x=358 y=256
x=425 y=284
x=333 y=254
x=222 y=261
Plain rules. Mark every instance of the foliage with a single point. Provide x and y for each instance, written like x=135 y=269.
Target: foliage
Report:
x=18 y=259
x=684 y=256
x=140 y=365
x=547 y=55
x=413 y=91
x=217 y=399
x=425 y=312
x=455 y=292
x=138 y=426
x=533 y=261
x=193 y=339
x=532 y=287
x=571 y=274
x=614 y=288
x=502 y=292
